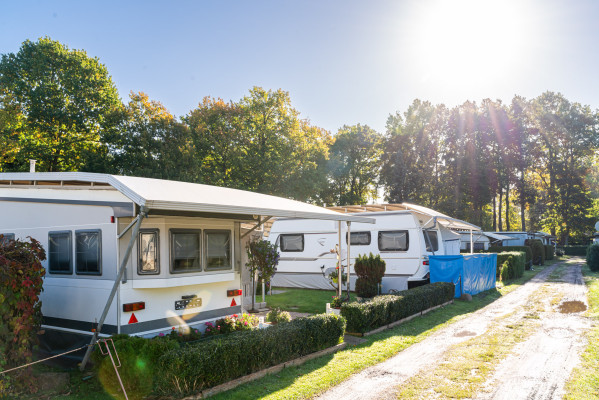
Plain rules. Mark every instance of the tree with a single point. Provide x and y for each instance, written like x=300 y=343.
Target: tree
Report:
x=60 y=101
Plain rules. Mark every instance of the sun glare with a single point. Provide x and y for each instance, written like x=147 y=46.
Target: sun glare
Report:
x=468 y=43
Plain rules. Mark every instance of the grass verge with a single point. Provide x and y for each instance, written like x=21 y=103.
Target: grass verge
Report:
x=584 y=380
x=301 y=300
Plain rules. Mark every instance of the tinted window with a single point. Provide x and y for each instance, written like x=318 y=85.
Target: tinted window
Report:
x=6 y=237
x=430 y=238
x=60 y=252
x=394 y=241
x=88 y=250
x=359 y=238
x=292 y=242
x=149 y=262
x=218 y=249
x=185 y=251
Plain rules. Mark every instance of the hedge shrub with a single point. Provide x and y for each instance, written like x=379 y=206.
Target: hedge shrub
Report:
x=538 y=251
x=202 y=365
x=510 y=265
x=21 y=283
x=549 y=252
x=383 y=310
x=593 y=257
x=578 y=250
x=525 y=249
x=370 y=271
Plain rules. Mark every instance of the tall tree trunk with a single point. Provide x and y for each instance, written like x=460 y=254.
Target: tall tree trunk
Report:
x=522 y=201
x=507 y=207
x=500 y=222
x=495 y=212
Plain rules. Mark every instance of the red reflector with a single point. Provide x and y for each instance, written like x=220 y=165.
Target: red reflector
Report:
x=140 y=305
x=112 y=220
x=232 y=293
x=425 y=262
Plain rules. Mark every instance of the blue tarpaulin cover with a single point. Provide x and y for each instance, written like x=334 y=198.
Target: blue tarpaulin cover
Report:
x=472 y=274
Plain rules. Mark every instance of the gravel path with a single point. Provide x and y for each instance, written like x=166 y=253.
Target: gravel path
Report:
x=382 y=380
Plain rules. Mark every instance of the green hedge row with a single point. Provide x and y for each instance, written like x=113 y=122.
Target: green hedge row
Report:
x=549 y=252
x=383 y=310
x=593 y=257
x=202 y=365
x=525 y=249
x=538 y=251
x=578 y=250
x=510 y=264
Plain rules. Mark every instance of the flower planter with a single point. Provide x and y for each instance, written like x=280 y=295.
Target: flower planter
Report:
x=331 y=310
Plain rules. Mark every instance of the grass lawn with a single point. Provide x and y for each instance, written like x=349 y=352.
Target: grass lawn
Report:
x=301 y=300
x=584 y=380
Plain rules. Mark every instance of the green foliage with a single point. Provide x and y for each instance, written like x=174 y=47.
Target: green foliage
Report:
x=382 y=310
x=276 y=315
x=193 y=368
x=60 y=102
x=593 y=257
x=370 y=271
x=510 y=265
x=549 y=252
x=231 y=323
x=526 y=249
x=538 y=251
x=21 y=275
x=574 y=250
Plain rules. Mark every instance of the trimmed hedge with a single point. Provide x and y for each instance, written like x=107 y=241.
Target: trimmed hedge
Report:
x=510 y=265
x=383 y=310
x=593 y=257
x=549 y=252
x=575 y=250
x=538 y=251
x=370 y=271
x=526 y=249
x=203 y=365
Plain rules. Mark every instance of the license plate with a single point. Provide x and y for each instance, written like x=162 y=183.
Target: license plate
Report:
x=188 y=303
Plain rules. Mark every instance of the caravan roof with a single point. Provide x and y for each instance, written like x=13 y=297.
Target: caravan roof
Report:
x=159 y=195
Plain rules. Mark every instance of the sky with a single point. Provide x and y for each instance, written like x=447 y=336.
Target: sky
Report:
x=343 y=62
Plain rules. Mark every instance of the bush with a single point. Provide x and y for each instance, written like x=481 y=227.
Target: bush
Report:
x=593 y=257
x=382 y=310
x=276 y=315
x=370 y=271
x=21 y=282
x=231 y=323
x=202 y=365
x=510 y=265
x=549 y=252
x=538 y=251
x=575 y=250
x=526 y=249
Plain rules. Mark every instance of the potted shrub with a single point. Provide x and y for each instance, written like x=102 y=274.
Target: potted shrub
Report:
x=370 y=271
x=263 y=259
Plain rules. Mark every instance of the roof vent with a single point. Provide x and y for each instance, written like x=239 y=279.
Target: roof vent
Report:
x=32 y=166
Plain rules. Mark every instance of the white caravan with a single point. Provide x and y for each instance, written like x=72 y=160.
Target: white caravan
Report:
x=482 y=240
x=404 y=235
x=186 y=245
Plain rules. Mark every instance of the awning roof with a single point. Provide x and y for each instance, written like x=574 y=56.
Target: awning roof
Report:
x=158 y=194
x=497 y=236
x=445 y=220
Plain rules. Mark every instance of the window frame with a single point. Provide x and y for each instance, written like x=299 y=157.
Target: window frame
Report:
x=156 y=232
x=407 y=232
x=172 y=233
x=99 y=232
x=359 y=244
x=425 y=233
x=205 y=255
x=280 y=239
x=71 y=258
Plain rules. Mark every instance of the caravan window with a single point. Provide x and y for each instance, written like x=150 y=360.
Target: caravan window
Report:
x=149 y=261
x=430 y=238
x=185 y=250
x=6 y=237
x=394 y=241
x=60 y=252
x=88 y=252
x=218 y=249
x=292 y=242
x=359 y=238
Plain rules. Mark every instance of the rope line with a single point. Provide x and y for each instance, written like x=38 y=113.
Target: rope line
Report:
x=45 y=359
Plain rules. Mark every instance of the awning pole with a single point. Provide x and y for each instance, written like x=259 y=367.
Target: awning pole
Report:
x=117 y=280
x=471 y=243
x=348 y=256
x=340 y=266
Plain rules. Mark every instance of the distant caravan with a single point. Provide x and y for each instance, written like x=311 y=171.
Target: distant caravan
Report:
x=405 y=235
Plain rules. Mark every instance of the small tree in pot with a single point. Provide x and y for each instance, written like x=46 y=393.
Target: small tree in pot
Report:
x=263 y=259
x=370 y=271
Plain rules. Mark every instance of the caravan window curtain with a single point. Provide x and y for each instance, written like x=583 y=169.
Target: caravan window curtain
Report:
x=218 y=249
x=60 y=252
x=149 y=261
x=292 y=242
x=394 y=241
x=185 y=250
x=431 y=239
x=359 y=238
x=88 y=252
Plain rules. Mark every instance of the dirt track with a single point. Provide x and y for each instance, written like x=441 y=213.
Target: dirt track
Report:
x=536 y=369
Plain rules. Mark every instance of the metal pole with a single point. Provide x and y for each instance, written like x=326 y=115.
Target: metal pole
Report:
x=142 y=214
x=348 y=255
x=339 y=264
x=471 y=243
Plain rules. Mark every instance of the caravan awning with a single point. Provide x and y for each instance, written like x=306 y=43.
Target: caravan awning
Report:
x=497 y=236
x=165 y=196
